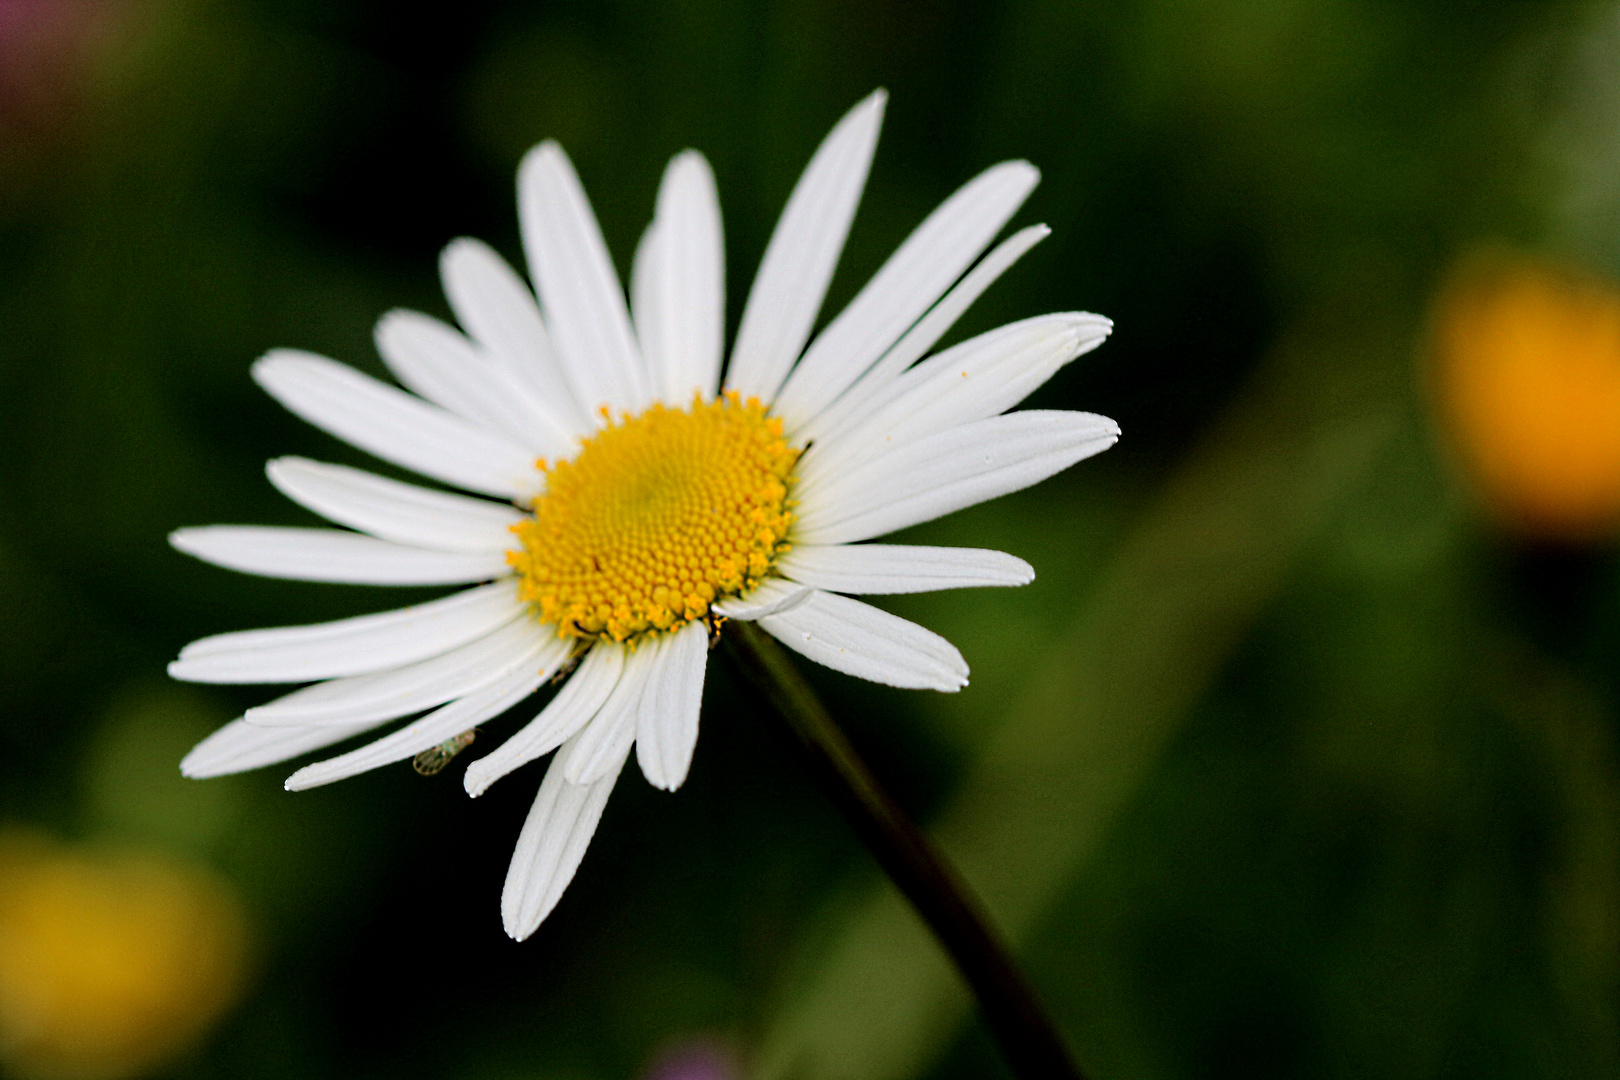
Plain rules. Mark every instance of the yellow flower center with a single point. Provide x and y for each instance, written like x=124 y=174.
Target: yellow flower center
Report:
x=655 y=518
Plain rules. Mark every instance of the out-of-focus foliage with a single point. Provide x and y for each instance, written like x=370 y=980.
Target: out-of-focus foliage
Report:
x=1292 y=762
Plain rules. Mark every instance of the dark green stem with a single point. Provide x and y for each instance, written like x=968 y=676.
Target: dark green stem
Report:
x=1011 y=1011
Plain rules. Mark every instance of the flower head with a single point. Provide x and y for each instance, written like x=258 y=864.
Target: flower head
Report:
x=1526 y=376
x=642 y=500
x=111 y=962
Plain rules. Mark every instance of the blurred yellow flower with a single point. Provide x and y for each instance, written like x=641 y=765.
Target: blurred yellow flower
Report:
x=110 y=963
x=1526 y=377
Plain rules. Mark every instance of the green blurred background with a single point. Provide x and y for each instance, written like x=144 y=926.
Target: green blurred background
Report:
x=1293 y=762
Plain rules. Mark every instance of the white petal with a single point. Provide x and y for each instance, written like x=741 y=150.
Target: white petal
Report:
x=438 y=363
x=518 y=682
x=768 y=597
x=802 y=253
x=604 y=742
x=240 y=746
x=579 y=291
x=495 y=306
x=915 y=276
x=981 y=377
x=332 y=555
x=646 y=305
x=384 y=695
x=686 y=289
x=349 y=646
x=576 y=703
x=861 y=640
x=900 y=568
x=667 y=718
x=395 y=426
x=554 y=838
x=933 y=476
x=388 y=509
x=867 y=393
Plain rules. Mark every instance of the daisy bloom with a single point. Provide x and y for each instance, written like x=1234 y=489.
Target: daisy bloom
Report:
x=633 y=499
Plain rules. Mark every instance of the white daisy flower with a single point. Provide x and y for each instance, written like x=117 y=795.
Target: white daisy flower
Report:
x=632 y=499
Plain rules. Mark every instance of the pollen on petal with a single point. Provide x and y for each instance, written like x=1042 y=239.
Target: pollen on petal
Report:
x=658 y=516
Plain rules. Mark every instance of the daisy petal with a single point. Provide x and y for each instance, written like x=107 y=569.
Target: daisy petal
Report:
x=915 y=276
x=332 y=555
x=495 y=306
x=768 y=597
x=900 y=568
x=240 y=746
x=646 y=305
x=687 y=284
x=395 y=426
x=802 y=253
x=579 y=291
x=942 y=473
x=667 y=719
x=605 y=741
x=861 y=640
x=436 y=362
x=580 y=699
x=553 y=841
x=349 y=646
x=384 y=695
x=868 y=393
x=390 y=510
x=981 y=377
x=521 y=679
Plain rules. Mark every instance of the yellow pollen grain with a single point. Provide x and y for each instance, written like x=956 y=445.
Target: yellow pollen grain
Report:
x=658 y=516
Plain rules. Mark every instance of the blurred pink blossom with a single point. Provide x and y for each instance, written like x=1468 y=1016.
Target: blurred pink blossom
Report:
x=696 y=1060
x=46 y=48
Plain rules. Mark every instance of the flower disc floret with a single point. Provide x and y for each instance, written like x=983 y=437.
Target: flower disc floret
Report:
x=658 y=516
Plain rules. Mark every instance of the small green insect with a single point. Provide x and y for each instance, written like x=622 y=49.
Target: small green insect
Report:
x=575 y=654
x=435 y=758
